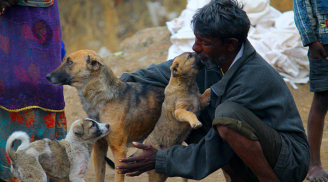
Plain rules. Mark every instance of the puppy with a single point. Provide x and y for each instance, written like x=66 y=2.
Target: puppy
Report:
x=132 y=109
x=67 y=159
x=180 y=108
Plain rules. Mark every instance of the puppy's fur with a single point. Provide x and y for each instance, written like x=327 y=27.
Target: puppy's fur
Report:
x=181 y=106
x=132 y=109
x=67 y=159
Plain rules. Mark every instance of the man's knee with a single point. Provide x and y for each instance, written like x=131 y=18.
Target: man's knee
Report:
x=231 y=136
x=223 y=131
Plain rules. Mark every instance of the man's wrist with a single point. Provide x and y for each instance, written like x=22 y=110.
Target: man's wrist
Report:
x=160 y=161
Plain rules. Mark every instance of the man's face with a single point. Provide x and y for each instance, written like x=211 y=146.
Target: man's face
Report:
x=210 y=51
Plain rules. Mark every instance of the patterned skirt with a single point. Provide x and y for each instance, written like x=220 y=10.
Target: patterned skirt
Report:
x=37 y=123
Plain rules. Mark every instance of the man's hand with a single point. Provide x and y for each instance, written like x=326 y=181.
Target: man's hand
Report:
x=139 y=164
x=317 y=51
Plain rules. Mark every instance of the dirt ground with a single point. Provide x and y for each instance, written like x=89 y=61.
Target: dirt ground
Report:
x=150 y=46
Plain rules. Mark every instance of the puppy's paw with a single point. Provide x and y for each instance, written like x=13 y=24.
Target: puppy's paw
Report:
x=196 y=125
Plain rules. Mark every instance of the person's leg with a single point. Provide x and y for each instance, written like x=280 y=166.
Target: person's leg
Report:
x=318 y=85
x=250 y=152
x=315 y=127
x=256 y=144
x=232 y=174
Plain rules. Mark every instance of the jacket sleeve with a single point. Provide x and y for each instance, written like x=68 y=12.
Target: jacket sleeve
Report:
x=195 y=161
x=305 y=21
x=157 y=75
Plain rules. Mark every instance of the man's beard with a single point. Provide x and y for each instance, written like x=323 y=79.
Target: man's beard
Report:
x=211 y=63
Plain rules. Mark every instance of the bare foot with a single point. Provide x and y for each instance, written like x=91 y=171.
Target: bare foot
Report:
x=317 y=173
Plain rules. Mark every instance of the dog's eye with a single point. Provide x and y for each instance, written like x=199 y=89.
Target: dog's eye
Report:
x=69 y=62
x=93 y=124
x=189 y=56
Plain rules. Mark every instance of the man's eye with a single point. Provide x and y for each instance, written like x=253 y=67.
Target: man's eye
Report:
x=189 y=56
x=205 y=43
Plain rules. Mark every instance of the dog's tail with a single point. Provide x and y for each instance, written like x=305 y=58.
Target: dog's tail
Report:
x=18 y=135
x=110 y=163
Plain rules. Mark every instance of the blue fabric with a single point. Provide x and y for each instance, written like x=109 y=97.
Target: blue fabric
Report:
x=319 y=74
x=62 y=49
x=311 y=19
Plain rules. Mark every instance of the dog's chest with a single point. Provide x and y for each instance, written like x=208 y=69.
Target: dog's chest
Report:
x=194 y=105
x=80 y=159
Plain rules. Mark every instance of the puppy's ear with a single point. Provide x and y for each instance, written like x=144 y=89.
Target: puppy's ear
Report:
x=78 y=130
x=93 y=63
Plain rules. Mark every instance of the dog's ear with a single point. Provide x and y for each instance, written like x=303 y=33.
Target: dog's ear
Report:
x=93 y=63
x=78 y=130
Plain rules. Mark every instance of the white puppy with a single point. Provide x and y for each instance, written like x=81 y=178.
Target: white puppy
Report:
x=67 y=159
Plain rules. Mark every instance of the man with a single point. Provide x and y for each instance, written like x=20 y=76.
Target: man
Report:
x=251 y=128
x=311 y=18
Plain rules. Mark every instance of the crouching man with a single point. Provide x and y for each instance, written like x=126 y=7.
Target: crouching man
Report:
x=251 y=128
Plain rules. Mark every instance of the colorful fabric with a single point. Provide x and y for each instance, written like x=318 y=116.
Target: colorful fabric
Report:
x=30 y=48
x=36 y=122
x=36 y=3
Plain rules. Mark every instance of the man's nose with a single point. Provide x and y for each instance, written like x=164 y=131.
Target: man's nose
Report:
x=196 y=47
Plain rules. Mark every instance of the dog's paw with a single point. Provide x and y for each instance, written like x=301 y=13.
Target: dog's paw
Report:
x=196 y=125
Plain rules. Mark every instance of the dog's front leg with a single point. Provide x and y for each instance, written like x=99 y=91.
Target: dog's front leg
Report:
x=99 y=153
x=205 y=98
x=119 y=152
x=181 y=114
x=153 y=176
x=76 y=179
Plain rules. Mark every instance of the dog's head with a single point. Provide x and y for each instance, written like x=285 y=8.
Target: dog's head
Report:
x=89 y=129
x=186 y=65
x=76 y=68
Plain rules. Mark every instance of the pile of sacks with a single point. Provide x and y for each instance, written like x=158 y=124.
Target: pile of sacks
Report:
x=273 y=34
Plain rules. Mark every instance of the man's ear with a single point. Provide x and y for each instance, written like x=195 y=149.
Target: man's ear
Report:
x=93 y=63
x=232 y=44
x=78 y=130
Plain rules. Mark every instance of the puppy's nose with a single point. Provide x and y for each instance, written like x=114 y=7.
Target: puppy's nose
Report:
x=107 y=126
x=48 y=76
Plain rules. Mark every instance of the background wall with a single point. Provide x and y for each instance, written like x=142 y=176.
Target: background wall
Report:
x=98 y=23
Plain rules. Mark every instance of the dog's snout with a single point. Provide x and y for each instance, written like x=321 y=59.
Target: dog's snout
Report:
x=48 y=76
x=107 y=126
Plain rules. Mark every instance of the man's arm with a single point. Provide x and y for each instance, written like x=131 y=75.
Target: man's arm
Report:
x=157 y=75
x=195 y=161
x=305 y=21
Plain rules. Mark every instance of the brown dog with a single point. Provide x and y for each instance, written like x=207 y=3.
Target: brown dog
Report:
x=180 y=108
x=131 y=109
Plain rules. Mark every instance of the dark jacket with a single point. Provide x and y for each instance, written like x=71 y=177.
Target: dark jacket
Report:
x=252 y=83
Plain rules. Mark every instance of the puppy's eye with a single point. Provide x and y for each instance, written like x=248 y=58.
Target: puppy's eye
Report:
x=93 y=124
x=69 y=62
x=189 y=56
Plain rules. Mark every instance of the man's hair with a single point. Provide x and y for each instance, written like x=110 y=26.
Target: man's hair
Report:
x=221 y=19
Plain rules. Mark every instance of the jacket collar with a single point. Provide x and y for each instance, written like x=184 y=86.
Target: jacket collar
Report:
x=220 y=87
